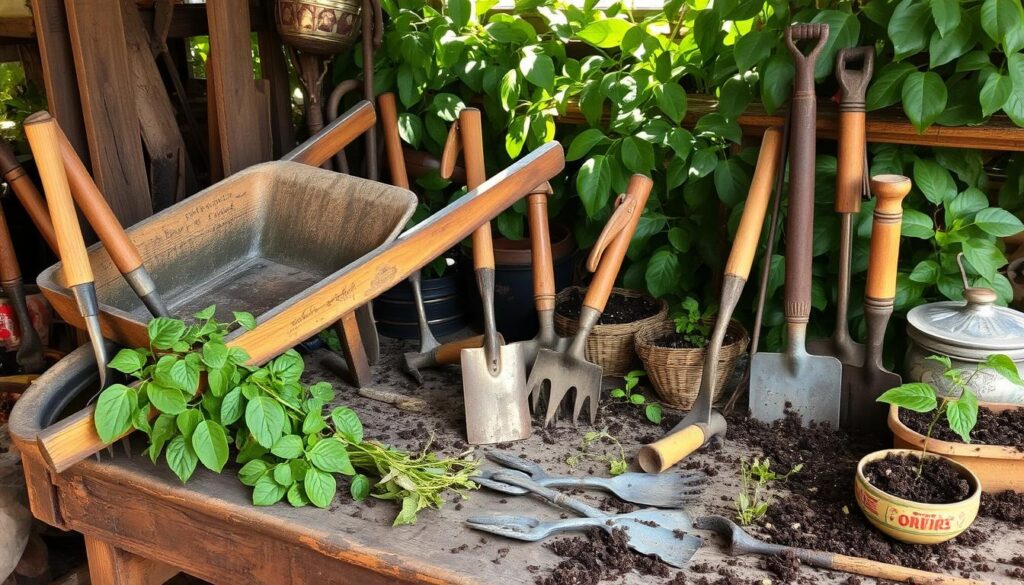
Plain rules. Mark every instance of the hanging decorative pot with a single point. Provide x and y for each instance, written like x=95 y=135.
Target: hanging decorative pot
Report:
x=968 y=332
x=319 y=27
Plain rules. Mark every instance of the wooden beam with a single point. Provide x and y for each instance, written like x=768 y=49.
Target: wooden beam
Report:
x=109 y=565
x=51 y=26
x=242 y=111
x=275 y=72
x=17 y=27
x=108 y=104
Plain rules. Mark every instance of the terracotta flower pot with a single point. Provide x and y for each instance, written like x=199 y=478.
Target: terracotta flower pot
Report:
x=914 y=522
x=999 y=468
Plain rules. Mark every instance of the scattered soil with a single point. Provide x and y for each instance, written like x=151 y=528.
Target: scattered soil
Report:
x=993 y=428
x=676 y=341
x=785 y=566
x=620 y=309
x=597 y=557
x=939 y=483
x=1007 y=506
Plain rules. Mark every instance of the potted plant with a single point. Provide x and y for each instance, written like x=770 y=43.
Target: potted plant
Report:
x=922 y=497
x=610 y=344
x=673 y=352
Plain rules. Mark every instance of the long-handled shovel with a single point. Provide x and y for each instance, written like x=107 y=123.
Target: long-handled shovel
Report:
x=26 y=192
x=864 y=385
x=30 y=350
x=849 y=191
x=702 y=422
x=808 y=385
x=564 y=371
x=493 y=376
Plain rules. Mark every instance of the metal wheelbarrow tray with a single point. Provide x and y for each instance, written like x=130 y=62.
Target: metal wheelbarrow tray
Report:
x=260 y=239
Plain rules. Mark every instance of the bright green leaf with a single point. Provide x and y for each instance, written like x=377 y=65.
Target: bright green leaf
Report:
x=916 y=396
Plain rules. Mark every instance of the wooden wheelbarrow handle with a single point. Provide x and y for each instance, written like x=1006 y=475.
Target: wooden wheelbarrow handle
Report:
x=75 y=438
x=335 y=136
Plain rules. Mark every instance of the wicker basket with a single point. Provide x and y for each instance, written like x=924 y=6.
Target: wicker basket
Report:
x=609 y=346
x=676 y=373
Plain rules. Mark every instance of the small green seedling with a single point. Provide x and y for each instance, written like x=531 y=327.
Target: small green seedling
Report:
x=693 y=324
x=755 y=477
x=960 y=406
x=617 y=464
x=652 y=410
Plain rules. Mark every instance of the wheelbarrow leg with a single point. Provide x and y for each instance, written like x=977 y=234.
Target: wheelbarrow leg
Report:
x=354 y=350
x=109 y=565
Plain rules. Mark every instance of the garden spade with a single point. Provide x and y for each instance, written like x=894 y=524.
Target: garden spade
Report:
x=849 y=192
x=493 y=376
x=863 y=385
x=808 y=385
x=702 y=422
x=567 y=370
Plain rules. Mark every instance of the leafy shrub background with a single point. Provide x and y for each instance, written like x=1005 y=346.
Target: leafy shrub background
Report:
x=625 y=79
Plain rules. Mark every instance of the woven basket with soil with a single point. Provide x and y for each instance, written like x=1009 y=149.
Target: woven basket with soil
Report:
x=610 y=344
x=675 y=370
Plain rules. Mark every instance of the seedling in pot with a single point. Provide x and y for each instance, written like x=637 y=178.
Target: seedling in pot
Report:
x=755 y=477
x=652 y=410
x=960 y=406
x=694 y=325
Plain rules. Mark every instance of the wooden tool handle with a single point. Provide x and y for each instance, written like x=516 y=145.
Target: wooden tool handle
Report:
x=329 y=141
x=885 y=235
x=27 y=194
x=540 y=249
x=96 y=210
x=879 y=570
x=471 y=133
x=450 y=152
x=9 y=269
x=673 y=447
x=392 y=141
x=637 y=192
x=44 y=138
x=850 y=172
x=744 y=246
x=449 y=353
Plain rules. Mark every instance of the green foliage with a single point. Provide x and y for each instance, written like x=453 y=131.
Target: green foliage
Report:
x=18 y=99
x=753 y=499
x=692 y=324
x=960 y=406
x=652 y=410
x=287 y=446
x=612 y=453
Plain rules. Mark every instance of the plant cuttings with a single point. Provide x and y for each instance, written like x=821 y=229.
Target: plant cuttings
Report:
x=960 y=407
x=755 y=477
x=652 y=410
x=287 y=446
x=616 y=460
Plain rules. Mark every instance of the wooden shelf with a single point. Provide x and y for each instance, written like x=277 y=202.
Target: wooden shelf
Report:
x=17 y=27
x=888 y=125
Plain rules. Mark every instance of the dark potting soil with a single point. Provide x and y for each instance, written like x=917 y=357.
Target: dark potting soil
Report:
x=938 y=483
x=993 y=428
x=820 y=511
x=785 y=566
x=676 y=341
x=619 y=309
x=1007 y=506
x=598 y=556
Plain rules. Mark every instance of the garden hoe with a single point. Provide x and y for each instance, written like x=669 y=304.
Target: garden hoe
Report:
x=493 y=376
x=570 y=370
x=30 y=348
x=740 y=543
x=850 y=187
x=795 y=380
x=703 y=422
x=862 y=386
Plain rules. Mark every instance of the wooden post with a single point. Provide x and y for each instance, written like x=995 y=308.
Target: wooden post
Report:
x=275 y=73
x=108 y=105
x=242 y=113
x=109 y=565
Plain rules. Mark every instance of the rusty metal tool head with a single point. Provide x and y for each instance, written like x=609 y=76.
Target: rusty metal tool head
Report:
x=442 y=355
x=863 y=385
x=30 y=348
x=570 y=370
x=808 y=385
x=739 y=542
x=850 y=189
x=702 y=422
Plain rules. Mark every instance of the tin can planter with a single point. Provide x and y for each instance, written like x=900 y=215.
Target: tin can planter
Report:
x=916 y=522
x=443 y=301
x=676 y=372
x=610 y=345
x=998 y=467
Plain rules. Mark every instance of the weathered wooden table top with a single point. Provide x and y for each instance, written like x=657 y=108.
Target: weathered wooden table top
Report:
x=212 y=518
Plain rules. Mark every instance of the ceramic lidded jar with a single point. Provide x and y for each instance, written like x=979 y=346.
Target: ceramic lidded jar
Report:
x=319 y=27
x=968 y=332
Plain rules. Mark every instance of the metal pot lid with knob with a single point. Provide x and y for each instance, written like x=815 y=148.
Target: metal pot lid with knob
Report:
x=970 y=330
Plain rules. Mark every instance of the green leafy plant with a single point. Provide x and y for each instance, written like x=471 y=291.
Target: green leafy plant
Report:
x=755 y=478
x=652 y=410
x=18 y=99
x=693 y=324
x=289 y=447
x=960 y=406
x=616 y=459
